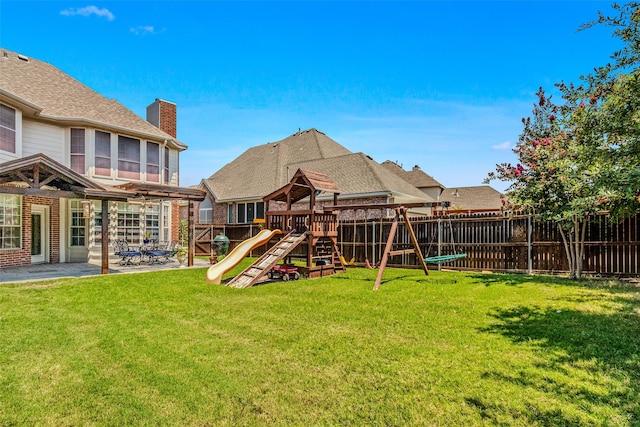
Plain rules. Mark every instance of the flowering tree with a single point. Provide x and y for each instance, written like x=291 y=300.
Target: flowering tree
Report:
x=583 y=156
x=553 y=180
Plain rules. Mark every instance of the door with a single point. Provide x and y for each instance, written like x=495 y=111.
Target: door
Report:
x=39 y=234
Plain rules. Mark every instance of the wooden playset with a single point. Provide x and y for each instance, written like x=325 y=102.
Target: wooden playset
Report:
x=316 y=231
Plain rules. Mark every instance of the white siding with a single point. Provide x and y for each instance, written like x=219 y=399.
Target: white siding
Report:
x=42 y=138
x=173 y=167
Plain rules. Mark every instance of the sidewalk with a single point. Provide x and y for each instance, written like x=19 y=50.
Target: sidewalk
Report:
x=37 y=272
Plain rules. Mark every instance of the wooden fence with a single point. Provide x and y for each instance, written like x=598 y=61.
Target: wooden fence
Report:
x=496 y=243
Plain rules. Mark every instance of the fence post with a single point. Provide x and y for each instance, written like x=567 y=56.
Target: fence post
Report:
x=529 y=244
x=439 y=241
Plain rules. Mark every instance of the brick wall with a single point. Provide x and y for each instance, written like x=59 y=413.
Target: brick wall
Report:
x=20 y=257
x=175 y=219
x=220 y=210
x=168 y=118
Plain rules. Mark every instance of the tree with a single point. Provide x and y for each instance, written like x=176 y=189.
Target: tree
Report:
x=582 y=156
x=614 y=121
x=553 y=180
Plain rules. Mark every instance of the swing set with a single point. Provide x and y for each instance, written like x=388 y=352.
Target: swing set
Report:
x=440 y=259
x=401 y=213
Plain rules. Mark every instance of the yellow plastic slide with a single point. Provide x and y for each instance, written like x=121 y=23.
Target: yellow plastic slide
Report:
x=215 y=272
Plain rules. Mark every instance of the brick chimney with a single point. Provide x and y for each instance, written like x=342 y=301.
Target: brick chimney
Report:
x=162 y=114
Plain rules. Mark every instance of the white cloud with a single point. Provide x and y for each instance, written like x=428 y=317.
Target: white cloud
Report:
x=88 y=11
x=143 y=29
x=504 y=146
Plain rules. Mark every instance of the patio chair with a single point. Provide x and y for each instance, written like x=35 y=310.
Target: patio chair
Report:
x=159 y=251
x=128 y=255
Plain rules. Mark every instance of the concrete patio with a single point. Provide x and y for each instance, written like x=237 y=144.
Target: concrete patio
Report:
x=37 y=272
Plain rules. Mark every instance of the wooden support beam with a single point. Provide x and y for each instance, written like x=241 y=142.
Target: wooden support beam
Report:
x=192 y=245
x=402 y=252
x=387 y=250
x=414 y=240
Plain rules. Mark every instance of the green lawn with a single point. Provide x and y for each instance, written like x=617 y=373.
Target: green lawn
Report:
x=165 y=348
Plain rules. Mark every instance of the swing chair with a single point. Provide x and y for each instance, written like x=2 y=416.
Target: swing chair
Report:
x=441 y=259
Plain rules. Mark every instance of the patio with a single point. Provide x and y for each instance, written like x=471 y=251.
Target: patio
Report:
x=38 y=272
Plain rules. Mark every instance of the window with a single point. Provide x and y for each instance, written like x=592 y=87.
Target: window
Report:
x=152 y=221
x=153 y=162
x=10 y=221
x=247 y=212
x=166 y=165
x=129 y=222
x=128 y=158
x=230 y=214
x=242 y=212
x=77 y=150
x=166 y=222
x=260 y=210
x=78 y=224
x=103 y=154
x=206 y=212
x=7 y=129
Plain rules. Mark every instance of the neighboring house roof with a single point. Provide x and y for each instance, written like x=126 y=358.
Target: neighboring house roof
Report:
x=416 y=176
x=481 y=197
x=50 y=94
x=263 y=169
x=358 y=175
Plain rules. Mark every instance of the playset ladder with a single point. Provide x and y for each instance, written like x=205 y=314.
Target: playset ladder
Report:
x=256 y=271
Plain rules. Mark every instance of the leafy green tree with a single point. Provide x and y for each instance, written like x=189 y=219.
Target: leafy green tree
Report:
x=606 y=110
x=552 y=179
x=582 y=156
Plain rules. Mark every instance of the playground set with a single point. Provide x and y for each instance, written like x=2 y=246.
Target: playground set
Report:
x=316 y=231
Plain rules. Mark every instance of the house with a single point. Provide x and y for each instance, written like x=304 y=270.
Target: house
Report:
x=235 y=192
x=416 y=177
x=76 y=166
x=474 y=199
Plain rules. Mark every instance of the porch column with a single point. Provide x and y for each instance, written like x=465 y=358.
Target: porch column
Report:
x=105 y=237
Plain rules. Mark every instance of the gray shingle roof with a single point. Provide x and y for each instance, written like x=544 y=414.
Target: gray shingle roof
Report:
x=56 y=96
x=416 y=176
x=263 y=169
x=357 y=174
x=473 y=198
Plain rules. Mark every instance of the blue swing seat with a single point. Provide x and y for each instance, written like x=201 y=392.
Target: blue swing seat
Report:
x=444 y=258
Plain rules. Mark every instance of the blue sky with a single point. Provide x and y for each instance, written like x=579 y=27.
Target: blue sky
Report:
x=442 y=85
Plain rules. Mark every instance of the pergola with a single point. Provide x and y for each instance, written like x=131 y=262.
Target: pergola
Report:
x=39 y=175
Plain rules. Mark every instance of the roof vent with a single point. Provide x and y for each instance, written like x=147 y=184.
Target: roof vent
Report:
x=24 y=58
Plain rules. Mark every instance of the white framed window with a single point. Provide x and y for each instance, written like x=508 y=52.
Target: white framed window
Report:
x=128 y=157
x=152 y=221
x=77 y=225
x=205 y=213
x=77 y=151
x=129 y=222
x=166 y=165
x=103 y=154
x=247 y=212
x=10 y=221
x=166 y=222
x=7 y=129
x=153 y=162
